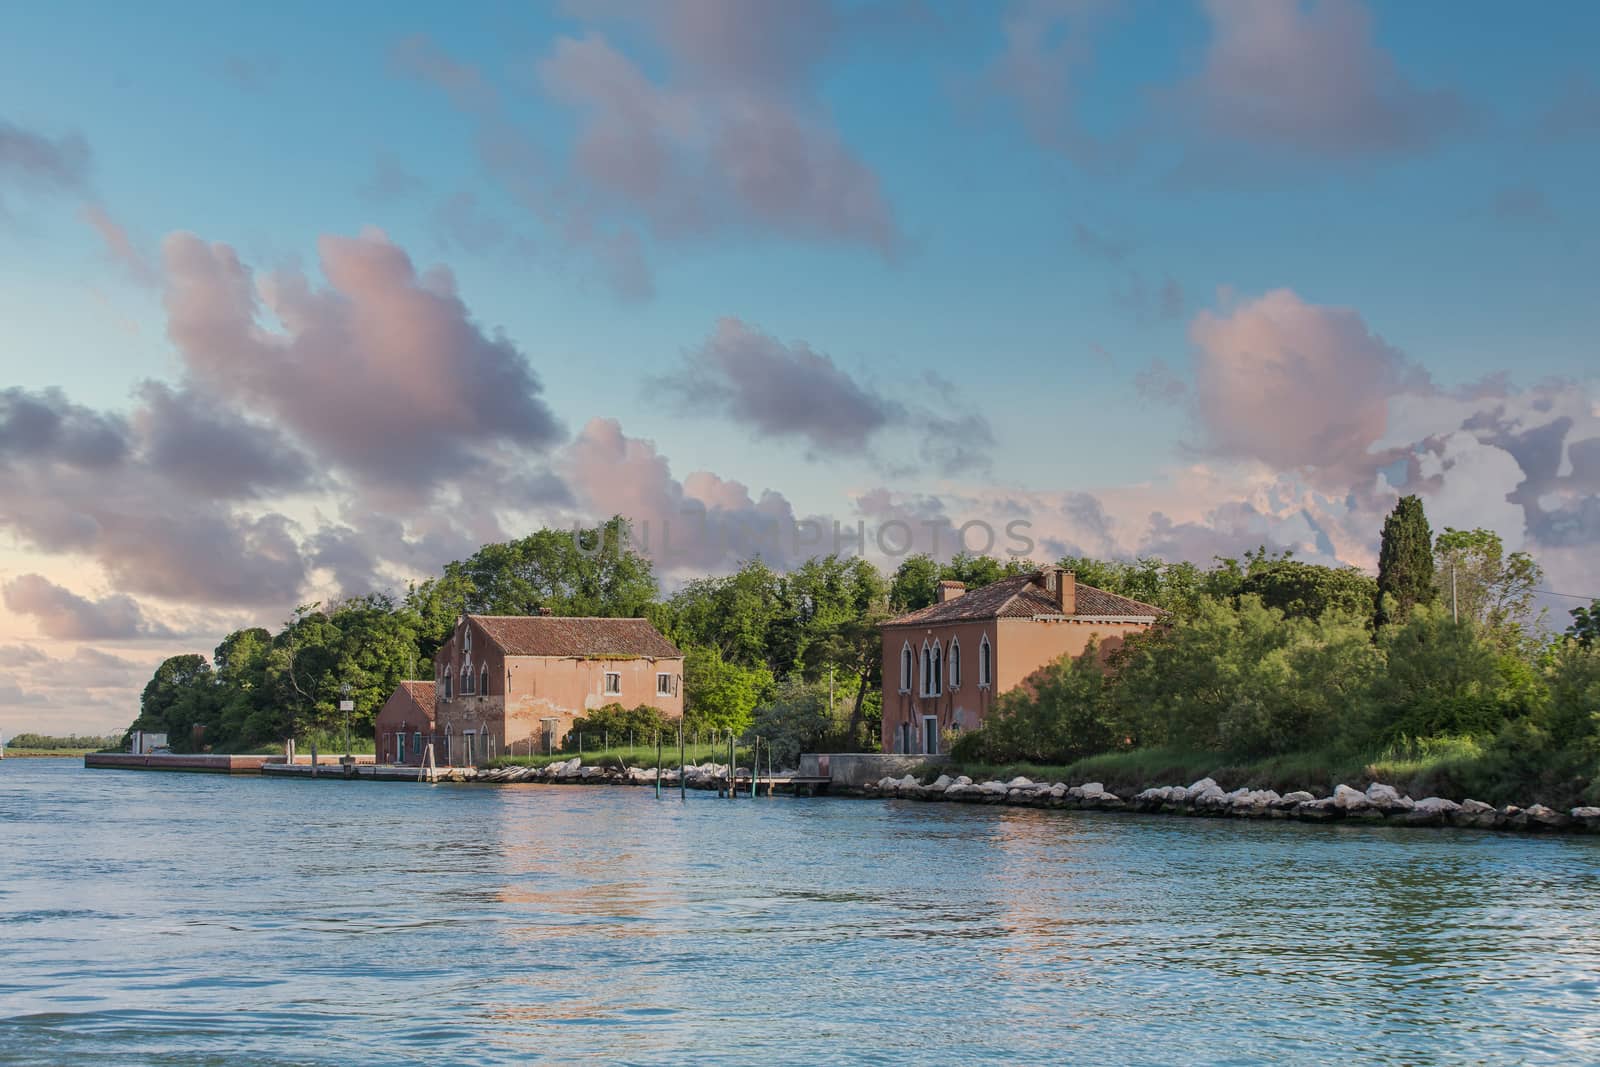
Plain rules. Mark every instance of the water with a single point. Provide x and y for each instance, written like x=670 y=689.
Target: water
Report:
x=199 y=919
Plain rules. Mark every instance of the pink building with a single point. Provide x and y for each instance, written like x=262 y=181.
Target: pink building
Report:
x=511 y=684
x=404 y=726
x=944 y=665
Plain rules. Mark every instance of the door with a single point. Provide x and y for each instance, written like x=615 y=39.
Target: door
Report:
x=930 y=735
x=469 y=746
x=400 y=748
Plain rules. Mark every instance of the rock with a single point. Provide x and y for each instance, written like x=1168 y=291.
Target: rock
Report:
x=1211 y=798
x=1289 y=800
x=1198 y=788
x=1317 y=810
x=1093 y=789
x=1347 y=799
x=941 y=783
x=993 y=789
x=963 y=791
x=963 y=780
x=1436 y=806
x=1020 y=782
x=908 y=783
x=1154 y=797
x=1588 y=818
x=1475 y=813
x=1380 y=794
x=1546 y=818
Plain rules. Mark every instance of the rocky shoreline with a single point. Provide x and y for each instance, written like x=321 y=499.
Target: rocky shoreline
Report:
x=1380 y=804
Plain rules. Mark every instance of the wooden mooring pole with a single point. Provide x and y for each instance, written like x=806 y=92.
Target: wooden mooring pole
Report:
x=683 y=786
x=658 y=764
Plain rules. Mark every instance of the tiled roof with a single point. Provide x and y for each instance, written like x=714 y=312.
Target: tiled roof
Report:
x=422 y=693
x=555 y=635
x=1022 y=598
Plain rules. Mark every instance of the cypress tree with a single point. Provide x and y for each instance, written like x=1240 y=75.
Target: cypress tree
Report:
x=1405 y=562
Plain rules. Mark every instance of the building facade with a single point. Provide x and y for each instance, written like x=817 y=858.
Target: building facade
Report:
x=945 y=665
x=405 y=725
x=508 y=685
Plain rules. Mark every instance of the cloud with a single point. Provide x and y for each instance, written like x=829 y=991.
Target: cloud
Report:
x=47 y=427
x=36 y=163
x=790 y=391
x=781 y=390
x=702 y=523
x=420 y=57
x=1521 y=203
x=63 y=614
x=1575 y=113
x=197 y=441
x=1049 y=48
x=1309 y=81
x=383 y=373
x=1150 y=304
x=119 y=246
x=390 y=181
x=1100 y=245
x=1293 y=384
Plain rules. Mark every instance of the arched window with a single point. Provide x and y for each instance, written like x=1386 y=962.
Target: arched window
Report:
x=466 y=636
x=907 y=664
x=447 y=677
x=938 y=671
x=467 y=680
x=483 y=684
x=927 y=670
x=953 y=671
x=985 y=668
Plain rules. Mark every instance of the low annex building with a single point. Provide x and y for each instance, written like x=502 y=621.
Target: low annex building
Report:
x=404 y=726
x=508 y=684
x=944 y=665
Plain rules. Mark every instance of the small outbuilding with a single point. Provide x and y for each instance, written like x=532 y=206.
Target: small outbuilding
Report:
x=405 y=725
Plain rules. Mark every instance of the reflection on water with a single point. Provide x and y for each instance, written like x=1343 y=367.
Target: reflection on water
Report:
x=192 y=918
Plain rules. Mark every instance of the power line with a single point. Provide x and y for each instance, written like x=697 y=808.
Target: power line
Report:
x=1572 y=596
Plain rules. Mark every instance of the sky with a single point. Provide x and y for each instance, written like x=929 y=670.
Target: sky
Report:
x=304 y=301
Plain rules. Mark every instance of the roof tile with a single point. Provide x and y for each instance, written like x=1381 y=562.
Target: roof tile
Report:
x=556 y=635
x=1021 y=598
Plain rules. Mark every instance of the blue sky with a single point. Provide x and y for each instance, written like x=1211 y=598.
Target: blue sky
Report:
x=1161 y=277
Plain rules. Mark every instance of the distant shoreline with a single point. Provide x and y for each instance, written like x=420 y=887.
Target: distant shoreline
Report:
x=48 y=753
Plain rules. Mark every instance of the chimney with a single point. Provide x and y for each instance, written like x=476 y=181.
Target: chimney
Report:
x=544 y=611
x=948 y=591
x=1062 y=587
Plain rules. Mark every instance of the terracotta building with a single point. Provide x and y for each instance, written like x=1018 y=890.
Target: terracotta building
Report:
x=404 y=726
x=944 y=665
x=511 y=684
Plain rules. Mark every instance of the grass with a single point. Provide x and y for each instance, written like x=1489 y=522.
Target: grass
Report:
x=1455 y=768
x=44 y=753
x=630 y=756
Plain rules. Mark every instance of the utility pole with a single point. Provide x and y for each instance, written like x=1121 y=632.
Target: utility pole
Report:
x=1455 y=614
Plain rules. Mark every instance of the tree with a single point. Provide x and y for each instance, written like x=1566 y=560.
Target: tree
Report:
x=180 y=696
x=567 y=572
x=914 y=583
x=719 y=695
x=795 y=720
x=1585 y=628
x=1405 y=563
x=1444 y=678
x=1481 y=584
x=1308 y=590
x=1059 y=716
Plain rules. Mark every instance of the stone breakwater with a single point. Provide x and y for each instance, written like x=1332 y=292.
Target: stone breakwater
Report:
x=575 y=771
x=1380 y=804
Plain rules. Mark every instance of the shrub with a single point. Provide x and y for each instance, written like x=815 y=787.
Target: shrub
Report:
x=644 y=723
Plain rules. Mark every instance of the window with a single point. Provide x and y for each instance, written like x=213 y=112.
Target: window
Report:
x=985 y=671
x=416 y=744
x=906 y=664
x=613 y=683
x=447 y=677
x=483 y=682
x=663 y=685
x=466 y=637
x=953 y=670
x=932 y=670
x=467 y=680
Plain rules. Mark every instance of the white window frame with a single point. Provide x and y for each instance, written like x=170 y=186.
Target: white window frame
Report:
x=605 y=684
x=985 y=663
x=952 y=667
x=469 y=682
x=663 y=683
x=932 y=670
x=908 y=666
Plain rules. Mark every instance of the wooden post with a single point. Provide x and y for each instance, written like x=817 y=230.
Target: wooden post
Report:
x=658 y=765
x=733 y=759
x=313 y=757
x=755 y=766
x=683 y=785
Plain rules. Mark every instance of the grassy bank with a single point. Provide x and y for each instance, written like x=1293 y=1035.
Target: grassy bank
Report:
x=47 y=753
x=1452 y=768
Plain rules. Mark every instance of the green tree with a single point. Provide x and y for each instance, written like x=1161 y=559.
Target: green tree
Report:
x=1444 y=678
x=180 y=696
x=1061 y=715
x=1405 y=563
x=914 y=583
x=733 y=613
x=718 y=694
x=1308 y=590
x=1585 y=628
x=583 y=572
x=795 y=720
x=1480 y=583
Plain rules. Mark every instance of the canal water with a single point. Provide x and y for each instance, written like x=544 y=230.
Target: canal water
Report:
x=198 y=919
